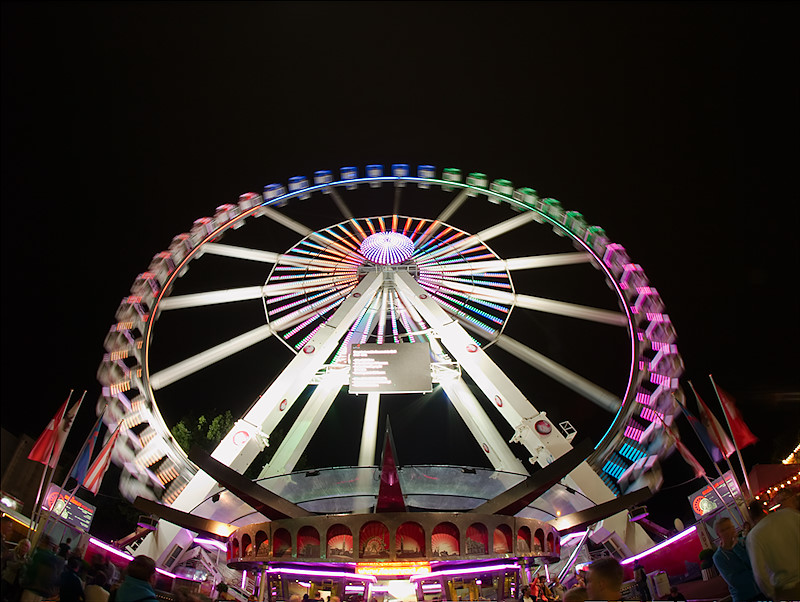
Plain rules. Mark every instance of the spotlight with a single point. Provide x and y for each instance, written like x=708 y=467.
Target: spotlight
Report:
x=468 y=470
x=312 y=473
x=215 y=498
x=637 y=513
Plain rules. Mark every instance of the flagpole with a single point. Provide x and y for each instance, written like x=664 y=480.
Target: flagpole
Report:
x=733 y=437
x=36 y=501
x=722 y=451
x=719 y=472
x=72 y=468
x=56 y=459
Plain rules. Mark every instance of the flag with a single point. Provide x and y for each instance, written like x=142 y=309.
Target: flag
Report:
x=63 y=431
x=742 y=435
x=100 y=465
x=718 y=435
x=703 y=435
x=82 y=463
x=43 y=448
x=698 y=469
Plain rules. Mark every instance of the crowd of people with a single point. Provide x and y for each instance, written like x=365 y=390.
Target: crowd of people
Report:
x=761 y=563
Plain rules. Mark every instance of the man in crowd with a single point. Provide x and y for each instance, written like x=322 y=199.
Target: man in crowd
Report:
x=138 y=583
x=773 y=547
x=733 y=564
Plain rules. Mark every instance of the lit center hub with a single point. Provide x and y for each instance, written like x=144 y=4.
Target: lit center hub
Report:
x=387 y=248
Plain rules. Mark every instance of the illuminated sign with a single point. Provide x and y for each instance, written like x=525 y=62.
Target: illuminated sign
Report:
x=76 y=513
x=393 y=568
x=390 y=368
x=705 y=501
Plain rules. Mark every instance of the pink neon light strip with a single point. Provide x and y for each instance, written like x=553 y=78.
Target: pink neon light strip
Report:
x=121 y=554
x=371 y=578
x=663 y=544
x=481 y=569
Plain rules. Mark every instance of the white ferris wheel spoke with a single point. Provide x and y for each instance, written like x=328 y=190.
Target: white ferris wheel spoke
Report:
x=210 y=356
x=216 y=248
x=305 y=426
x=340 y=204
x=184 y=368
x=484 y=235
x=561 y=308
x=515 y=263
x=453 y=206
x=369 y=431
x=482 y=428
x=565 y=376
x=211 y=298
x=285 y=220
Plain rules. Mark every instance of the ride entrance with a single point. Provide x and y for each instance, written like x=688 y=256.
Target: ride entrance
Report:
x=335 y=302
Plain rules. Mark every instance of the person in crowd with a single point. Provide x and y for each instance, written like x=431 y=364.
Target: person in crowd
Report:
x=224 y=594
x=139 y=580
x=580 y=579
x=71 y=589
x=557 y=588
x=543 y=592
x=773 y=547
x=64 y=547
x=335 y=599
x=295 y=598
x=675 y=595
x=5 y=532
x=757 y=512
x=96 y=590
x=604 y=581
x=101 y=563
x=526 y=596
x=640 y=576
x=733 y=564
x=43 y=573
x=12 y=571
x=576 y=594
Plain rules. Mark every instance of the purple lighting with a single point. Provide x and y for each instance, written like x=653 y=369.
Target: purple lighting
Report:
x=663 y=544
x=387 y=248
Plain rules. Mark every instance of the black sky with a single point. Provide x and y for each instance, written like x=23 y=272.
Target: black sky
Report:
x=672 y=125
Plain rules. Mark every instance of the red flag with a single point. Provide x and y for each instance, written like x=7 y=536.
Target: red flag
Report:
x=63 y=431
x=741 y=434
x=100 y=465
x=43 y=448
x=715 y=431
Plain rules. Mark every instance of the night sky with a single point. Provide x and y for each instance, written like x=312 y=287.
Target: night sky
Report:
x=674 y=126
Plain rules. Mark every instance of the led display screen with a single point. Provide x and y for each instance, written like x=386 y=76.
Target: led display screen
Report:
x=390 y=368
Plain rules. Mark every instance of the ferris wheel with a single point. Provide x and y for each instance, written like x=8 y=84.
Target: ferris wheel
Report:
x=528 y=316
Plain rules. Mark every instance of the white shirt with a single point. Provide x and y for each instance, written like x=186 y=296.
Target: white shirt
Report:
x=774 y=549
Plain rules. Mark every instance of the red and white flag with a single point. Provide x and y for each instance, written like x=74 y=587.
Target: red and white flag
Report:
x=63 y=431
x=741 y=433
x=43 y=448
x=718 y=435
x=96 y=472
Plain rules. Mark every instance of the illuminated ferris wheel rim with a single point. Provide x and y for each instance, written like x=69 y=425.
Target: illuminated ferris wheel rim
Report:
x=500 y=191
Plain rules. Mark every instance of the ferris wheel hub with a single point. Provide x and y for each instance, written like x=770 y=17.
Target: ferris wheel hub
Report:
x=387 y=248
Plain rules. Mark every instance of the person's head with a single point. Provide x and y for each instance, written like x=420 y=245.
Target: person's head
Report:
x=73 y=564
x=605 y=579
x=222 y=588
x=23 y=547
x=756 y=509
x=335 y=599
x=142 y=567
x=295 y=598
x=673 y=590
x=46 y=543
x=100 y=578
x=6 y=526
x=726 y=531
x=576 y=594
